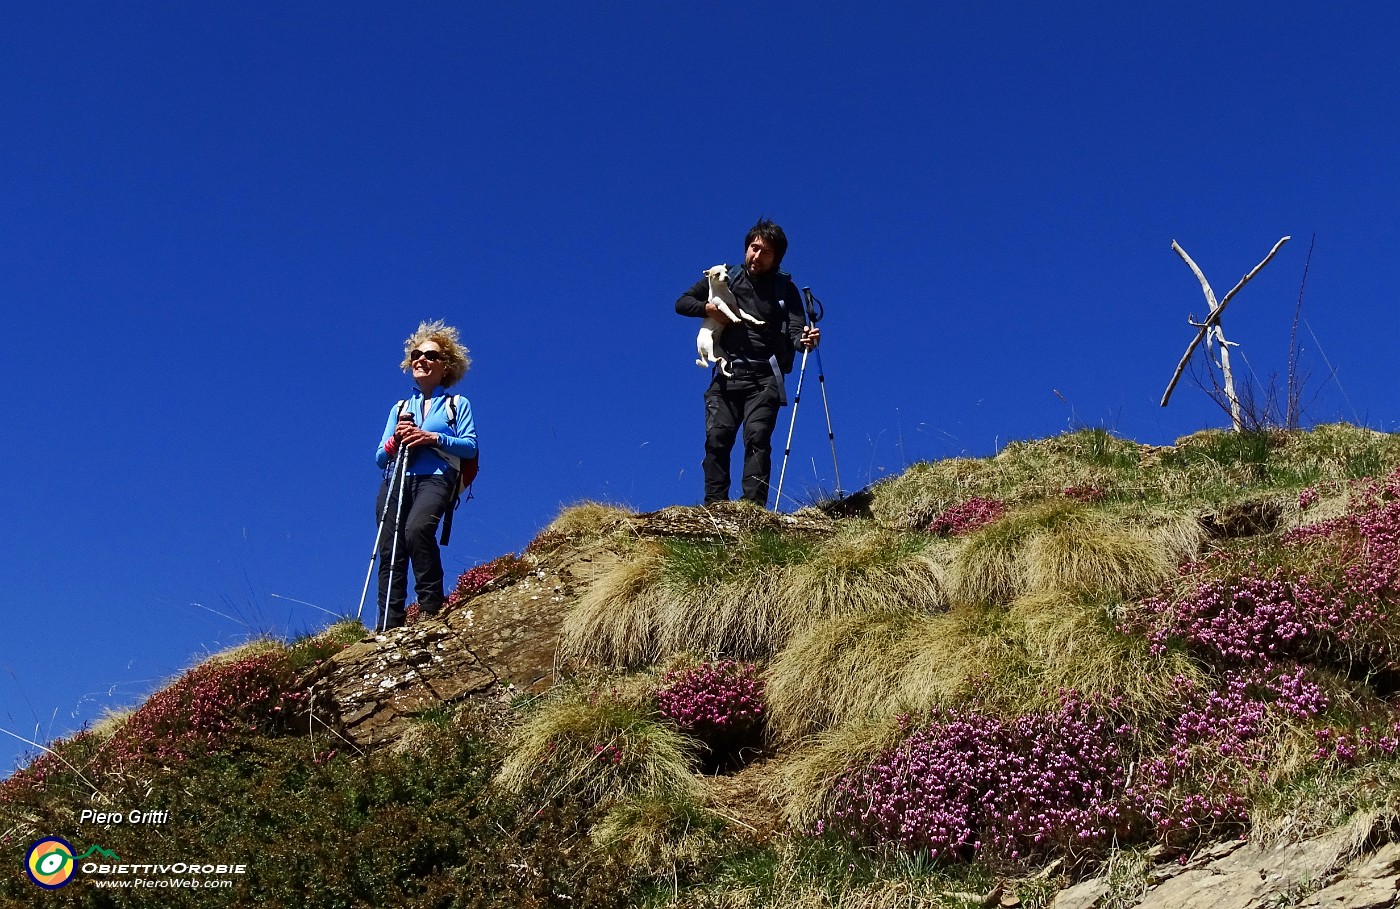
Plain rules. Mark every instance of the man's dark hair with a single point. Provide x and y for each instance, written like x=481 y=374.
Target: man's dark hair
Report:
x=773 y=235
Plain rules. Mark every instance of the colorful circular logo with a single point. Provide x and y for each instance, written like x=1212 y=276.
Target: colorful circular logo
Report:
x=49 y=862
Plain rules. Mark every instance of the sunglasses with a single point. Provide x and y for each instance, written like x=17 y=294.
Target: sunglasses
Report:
x=432 y=356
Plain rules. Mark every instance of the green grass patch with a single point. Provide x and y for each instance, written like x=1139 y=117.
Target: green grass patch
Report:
x=692 y=563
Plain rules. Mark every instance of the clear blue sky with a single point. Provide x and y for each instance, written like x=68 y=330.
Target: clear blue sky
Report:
x=218 y=221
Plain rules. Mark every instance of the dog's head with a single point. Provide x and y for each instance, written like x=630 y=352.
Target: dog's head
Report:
x=718 y=274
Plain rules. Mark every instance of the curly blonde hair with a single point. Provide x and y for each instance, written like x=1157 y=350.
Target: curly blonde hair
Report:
x=456 y=358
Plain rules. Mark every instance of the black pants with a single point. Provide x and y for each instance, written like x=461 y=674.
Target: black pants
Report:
x=750 y=401
x=424 y=501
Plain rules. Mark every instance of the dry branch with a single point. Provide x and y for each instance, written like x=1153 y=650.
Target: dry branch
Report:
x=1215 y=309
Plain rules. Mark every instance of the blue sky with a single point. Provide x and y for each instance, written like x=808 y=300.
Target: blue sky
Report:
x=218 y=221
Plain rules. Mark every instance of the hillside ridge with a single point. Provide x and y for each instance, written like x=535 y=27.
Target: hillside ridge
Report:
x=698 y=694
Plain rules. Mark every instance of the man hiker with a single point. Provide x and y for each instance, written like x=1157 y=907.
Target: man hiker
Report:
x=758 y=356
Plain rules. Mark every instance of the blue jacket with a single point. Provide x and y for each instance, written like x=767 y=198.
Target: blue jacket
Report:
x=460 y=443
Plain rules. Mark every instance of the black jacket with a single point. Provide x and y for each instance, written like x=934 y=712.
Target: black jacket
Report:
x=782 y=322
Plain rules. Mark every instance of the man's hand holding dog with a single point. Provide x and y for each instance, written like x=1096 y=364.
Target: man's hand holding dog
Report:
x=713 y=311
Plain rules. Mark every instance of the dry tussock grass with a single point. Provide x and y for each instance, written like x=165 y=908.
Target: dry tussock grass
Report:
x=912 y=499
x=1073 y=644
x=1339 y=451
x=595 y=744
x=1062 y=545
x=1178 y=535
x=659 y=835
x=1332 y=503
x=111 y=722
x=1209 y=468
x=588 y=519
x=740 y=617
x=840 y=670
x=617 y=618
x=1017 y=659
x=971 y=648
x=1352 y=805
x=879 y=665
x=1019 y=473
x=634 y=615
x=1098 y=558
x=242 y=651
x=746 y=598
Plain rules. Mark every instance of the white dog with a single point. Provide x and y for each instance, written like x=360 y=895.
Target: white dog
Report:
x=710 y=329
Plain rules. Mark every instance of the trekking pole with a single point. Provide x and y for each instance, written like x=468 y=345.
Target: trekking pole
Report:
x=382 y=624
x=815 y=311
x=787 y=449
x=379 y=533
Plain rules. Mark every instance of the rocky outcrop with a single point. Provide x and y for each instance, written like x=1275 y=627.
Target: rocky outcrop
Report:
x=502 y=638
x=1313 y=874
x=729 y=519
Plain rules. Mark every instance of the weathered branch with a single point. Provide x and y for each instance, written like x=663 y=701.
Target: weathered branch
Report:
x=1215 y=308
x=1217 y=331
x=1254 y=271
x=1203 y=326
x=1205 y=285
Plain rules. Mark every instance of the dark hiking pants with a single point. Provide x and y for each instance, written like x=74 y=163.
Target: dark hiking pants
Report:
x=753 y=402
x=425 y=499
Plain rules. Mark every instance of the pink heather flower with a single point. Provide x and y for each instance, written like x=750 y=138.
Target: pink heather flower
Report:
x=716 y=701
x=474 y=580
x=967 y=516
x=968 y=784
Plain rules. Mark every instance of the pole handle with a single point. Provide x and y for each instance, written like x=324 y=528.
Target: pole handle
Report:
x=815 y=310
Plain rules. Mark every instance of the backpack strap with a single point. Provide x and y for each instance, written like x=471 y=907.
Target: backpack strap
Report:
x=781 y=277
x=457 y=463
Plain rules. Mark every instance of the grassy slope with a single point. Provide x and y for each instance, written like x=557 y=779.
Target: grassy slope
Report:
x=588 y=796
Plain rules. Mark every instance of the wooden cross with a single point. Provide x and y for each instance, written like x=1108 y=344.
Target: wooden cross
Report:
x=1210 y=331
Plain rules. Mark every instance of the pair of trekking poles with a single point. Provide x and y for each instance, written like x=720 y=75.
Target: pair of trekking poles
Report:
x=815 y=312
x=397 y=477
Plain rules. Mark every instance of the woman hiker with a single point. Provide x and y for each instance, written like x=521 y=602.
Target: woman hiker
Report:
x=427 y=437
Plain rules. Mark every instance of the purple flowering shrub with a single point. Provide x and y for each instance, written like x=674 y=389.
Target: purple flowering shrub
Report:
x=719 y=702
x=474 y=580
x=967 y=784
x=1351 y=747
x=1084 y=492
x=77 y=751
x=1328 y=594
x=966 y=516
x=209 y=708
x=1218 y=747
